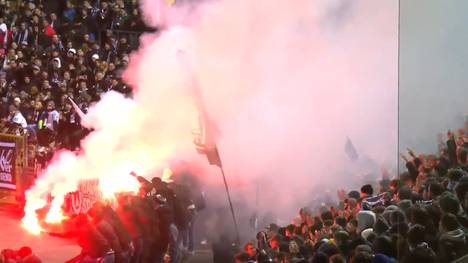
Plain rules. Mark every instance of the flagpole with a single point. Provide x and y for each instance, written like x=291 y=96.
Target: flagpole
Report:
x=230 y=205
x=196 y=93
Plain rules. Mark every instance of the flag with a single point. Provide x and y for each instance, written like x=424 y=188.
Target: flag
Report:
x=205 y=142
x=350 y=150
x=374 y=201
x=206 y=135
x=78 y=111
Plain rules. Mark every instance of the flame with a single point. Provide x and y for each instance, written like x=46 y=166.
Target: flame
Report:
x=55 y=215
x=109 y=186
x=30 y=220
x=31 y=224
x=167 y=175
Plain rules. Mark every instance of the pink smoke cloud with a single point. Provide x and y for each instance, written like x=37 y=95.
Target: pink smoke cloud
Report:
x=285 y=82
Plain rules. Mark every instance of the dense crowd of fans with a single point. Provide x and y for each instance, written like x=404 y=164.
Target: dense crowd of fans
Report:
x=421 y=216
x=52 y=50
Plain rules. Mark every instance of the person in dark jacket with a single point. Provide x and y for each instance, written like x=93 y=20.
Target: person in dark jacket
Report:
x=93 y=244
x=107 y=230
x=69 y=128
x=124 y=238
x=136 y=224
x=452 y=242
x=452 y=148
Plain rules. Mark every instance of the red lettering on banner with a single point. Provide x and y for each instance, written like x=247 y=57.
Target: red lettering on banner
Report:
x=82 y=200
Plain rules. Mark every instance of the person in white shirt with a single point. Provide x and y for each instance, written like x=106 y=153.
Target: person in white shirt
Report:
x=16 y=117
x=53 y=117
x=46 y=135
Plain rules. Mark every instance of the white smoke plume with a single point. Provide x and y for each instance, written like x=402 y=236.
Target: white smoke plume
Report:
x=285 y=81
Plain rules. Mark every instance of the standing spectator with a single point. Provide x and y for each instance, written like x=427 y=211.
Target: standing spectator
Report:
x=54 y=23
x=4 y=34
x=48 y=30
x=69 y=128
x=46 y=135
x=88 y=24
x=104 y=16
x=69 y=14
x=107 y=230
x=55 y=44
x=93 y=243
x=16 y=118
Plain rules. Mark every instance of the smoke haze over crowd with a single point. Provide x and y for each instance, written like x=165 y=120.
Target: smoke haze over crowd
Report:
x=286 y=83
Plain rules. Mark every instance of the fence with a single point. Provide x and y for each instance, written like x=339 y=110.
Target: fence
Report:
x=14 y=163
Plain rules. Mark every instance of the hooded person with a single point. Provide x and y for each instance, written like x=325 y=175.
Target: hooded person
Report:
x=92 y=242
x=381 y=225
x=388 y=211
x=453 y=241
x=4 y=34
x=450 y=204
x=454 y=176
x=57 y=62
x=366 y=219
x=368 y=235
x=55 y=71
x=462 y=192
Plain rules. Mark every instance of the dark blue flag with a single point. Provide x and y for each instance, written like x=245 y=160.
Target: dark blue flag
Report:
x=350 y=150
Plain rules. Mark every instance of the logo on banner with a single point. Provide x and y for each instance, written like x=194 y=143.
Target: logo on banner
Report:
x=7 y=165
x=83 y=199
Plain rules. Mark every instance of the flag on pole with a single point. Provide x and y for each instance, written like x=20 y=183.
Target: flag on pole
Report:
x=206 y=135
x=350 y=150
x=78 y=111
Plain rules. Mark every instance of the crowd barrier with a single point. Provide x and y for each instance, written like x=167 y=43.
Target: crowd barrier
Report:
x=17 y=172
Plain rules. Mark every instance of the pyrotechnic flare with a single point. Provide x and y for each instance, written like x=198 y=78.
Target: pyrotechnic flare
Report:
x=286 y=83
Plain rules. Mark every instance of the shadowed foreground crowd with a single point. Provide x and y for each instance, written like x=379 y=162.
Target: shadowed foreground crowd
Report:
x=422 y=216
x=155 y=226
